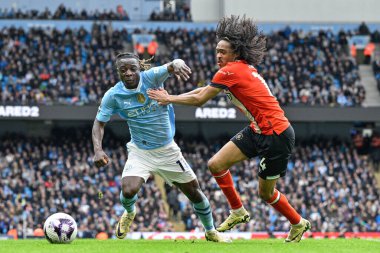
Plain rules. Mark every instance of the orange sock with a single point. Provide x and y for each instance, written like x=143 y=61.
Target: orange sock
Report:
x=281 y=204
x=225 y=182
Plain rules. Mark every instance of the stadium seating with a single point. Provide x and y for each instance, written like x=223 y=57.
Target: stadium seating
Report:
x=65 y=13
x=75 y=66
x=327 y=182
x=181 y=13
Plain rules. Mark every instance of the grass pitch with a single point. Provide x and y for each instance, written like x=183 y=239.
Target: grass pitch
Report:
x=192 y=246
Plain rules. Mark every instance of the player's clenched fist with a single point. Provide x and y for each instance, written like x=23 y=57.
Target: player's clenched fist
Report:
x=101 y=159
x=180 y=69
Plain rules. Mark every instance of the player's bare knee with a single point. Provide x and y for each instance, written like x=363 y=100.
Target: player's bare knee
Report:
x=196 y=196
x=129 y=192
x=213 y=166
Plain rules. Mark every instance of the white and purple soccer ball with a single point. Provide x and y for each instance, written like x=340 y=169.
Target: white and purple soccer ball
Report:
x=60 y=228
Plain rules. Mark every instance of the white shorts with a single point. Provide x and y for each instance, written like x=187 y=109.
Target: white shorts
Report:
x=167 y=162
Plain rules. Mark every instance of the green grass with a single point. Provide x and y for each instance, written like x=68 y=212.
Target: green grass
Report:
x=192 y=246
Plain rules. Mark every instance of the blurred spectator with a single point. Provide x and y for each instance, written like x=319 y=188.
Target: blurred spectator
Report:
x=353 y=50
x=172 y=199
x=361 y=143
x=376 y=71
x=375 y=151
x=121 y=13
x=363 y=29
x=152 y=47
x=181 y=13
x=368 y=52
x=140 y=50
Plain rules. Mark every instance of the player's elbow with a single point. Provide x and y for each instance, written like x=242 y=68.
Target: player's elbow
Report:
x=97 y=126
x=199 y=101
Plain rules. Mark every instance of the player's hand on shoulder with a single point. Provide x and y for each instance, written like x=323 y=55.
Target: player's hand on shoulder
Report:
x=100 y=159
x=181 y=70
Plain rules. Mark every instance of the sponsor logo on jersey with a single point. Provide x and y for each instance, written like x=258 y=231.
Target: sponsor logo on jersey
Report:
x=150 y=107
x=141 y=98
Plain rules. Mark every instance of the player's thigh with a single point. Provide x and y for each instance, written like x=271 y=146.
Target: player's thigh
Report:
x=274 y=161
x=136 y=171
x=227 y=156
x=172 y=166
x=183 y=175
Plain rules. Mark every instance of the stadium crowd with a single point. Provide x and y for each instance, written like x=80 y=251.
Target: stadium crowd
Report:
x=41 y=176
x=65 y=13
x=47 y=66
x=181 y=13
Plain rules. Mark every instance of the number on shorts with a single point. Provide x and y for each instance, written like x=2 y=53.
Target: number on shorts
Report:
x=180 y=165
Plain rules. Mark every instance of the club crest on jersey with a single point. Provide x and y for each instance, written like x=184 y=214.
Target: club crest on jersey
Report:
x=239 y=136
x=141 y=98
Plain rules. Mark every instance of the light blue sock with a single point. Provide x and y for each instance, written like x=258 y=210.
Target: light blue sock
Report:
x=128 y=204
x=203 y=210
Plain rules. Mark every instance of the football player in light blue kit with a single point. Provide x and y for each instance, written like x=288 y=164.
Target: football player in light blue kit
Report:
x=152 y=149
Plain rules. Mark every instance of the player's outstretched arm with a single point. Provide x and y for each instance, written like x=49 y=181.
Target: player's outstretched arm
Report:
x=100 y=158
x=179 y=68
x=197 y=98
x=195 y=91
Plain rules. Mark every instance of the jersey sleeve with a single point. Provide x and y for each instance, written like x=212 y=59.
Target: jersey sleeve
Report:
x=155 y=77
x=106 y=108
x=224 y=78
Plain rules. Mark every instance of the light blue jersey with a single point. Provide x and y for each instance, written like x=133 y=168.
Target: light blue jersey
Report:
x=151 y=125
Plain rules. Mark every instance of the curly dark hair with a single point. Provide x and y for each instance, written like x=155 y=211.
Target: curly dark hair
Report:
x=144 y=63
x=245 y=38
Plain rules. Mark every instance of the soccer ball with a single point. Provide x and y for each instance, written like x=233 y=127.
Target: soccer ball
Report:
x=60 y=228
